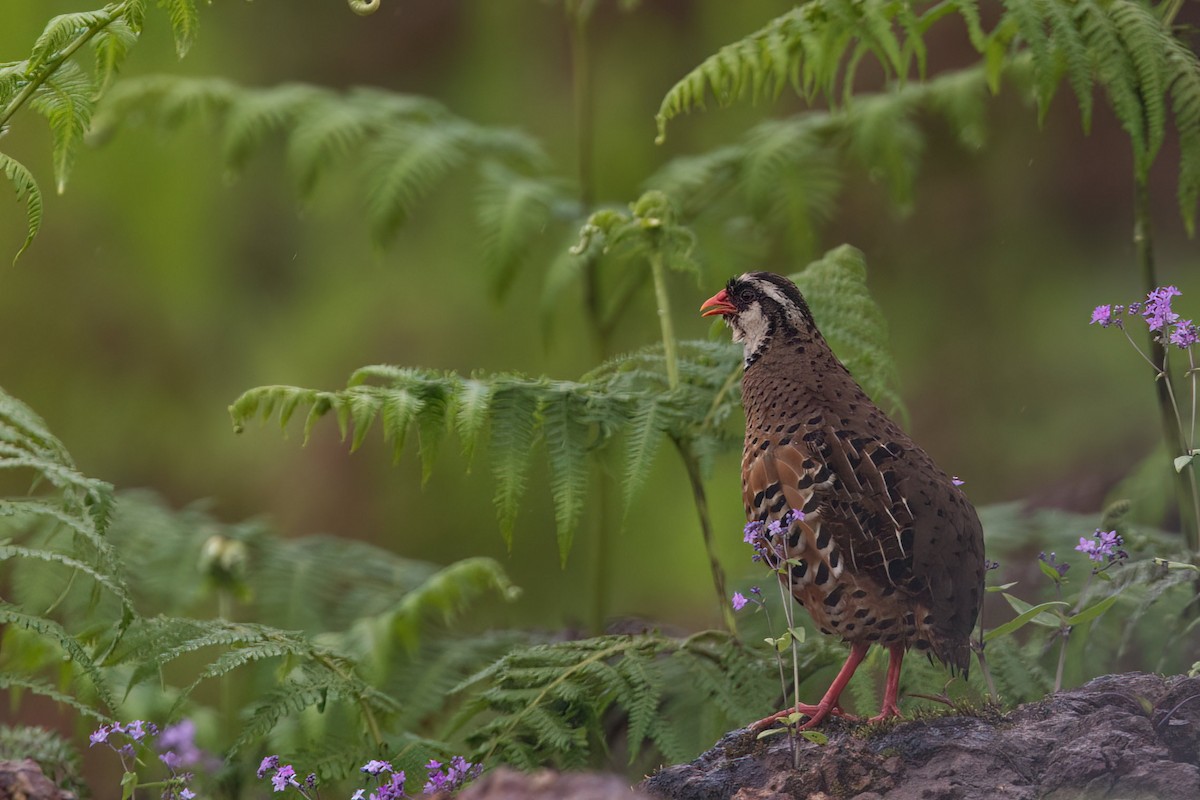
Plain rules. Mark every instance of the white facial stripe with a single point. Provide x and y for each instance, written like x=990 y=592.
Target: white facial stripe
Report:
x=772 y=291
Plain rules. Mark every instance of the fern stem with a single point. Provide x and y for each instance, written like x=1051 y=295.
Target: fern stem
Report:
x=1185 y=485
x=579 y=12
x=701 y=501
x=664 y=319
x=51 y=66
x=364 y=706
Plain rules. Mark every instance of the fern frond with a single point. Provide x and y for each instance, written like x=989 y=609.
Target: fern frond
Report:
x=111 y=45
x=403 y=145
x=185 y=19
x=65 y=100
x=73 y=651
x=447 y=593
x=16 y=683
x=61 y=31
x=836 y=288
x=568 y=442
x=512 y=211
x=1184 y=85
x=514 y=429
x=27 y=190
x=803 y=48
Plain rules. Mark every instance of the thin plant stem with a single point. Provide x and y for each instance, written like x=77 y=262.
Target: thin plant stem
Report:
x=578 y=14
x=1185 y=486
x=658 y=269
x=51 y=66
x=700 y=499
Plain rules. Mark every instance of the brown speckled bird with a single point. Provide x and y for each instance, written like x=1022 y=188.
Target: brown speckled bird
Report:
x=882 y=546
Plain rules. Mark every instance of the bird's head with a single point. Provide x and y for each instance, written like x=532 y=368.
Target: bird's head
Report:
x=758 y=306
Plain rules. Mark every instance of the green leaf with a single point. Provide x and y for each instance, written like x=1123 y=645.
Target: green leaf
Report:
x=27 y=190
x=567 y=444
x=1183 y=461
x=1093 y=611
x=1029 y=614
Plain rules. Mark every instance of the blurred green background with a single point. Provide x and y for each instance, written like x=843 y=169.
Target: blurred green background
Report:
x=160 y=287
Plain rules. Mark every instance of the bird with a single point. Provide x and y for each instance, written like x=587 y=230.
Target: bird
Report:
x=866 y=532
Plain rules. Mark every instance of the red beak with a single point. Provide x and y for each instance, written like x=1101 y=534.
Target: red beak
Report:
x=717 y=304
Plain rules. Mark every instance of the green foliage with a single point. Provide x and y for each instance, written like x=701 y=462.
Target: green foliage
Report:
x=54 y=84
x=1124 y=46
x=628 y=399
x=404 y=145
x=551 y=703
x=59 y=761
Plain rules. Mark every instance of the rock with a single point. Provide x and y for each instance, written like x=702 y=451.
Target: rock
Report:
x=508 y=784
x=24 y=780
x=1121 y=737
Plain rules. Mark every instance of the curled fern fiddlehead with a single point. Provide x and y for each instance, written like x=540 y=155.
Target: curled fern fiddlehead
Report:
x=364 y=7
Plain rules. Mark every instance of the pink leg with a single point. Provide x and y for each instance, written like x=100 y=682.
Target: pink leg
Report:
x=829 y=703
x=891 y=690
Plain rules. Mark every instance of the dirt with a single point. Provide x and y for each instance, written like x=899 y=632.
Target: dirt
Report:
x=1120 y=737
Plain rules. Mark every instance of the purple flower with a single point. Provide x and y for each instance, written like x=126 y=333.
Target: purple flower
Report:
x=311 y=781
x=756 y=590
x=375 y=767
x=1102 y=316
x=752 y=531
x=1157 y=308
x=957 y=481
x=136 y=730
x=776 y=528
x=180 y=736
x=269 y=763
x=739 y=601
x=172 y=760
x=284 y=777
x=186 y=793
x=99 y=735
x=358 y=795
x=1104 y=546
x=1184 y=335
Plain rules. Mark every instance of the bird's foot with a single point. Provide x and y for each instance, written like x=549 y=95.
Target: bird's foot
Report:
x=889 y=711
x=816 y=715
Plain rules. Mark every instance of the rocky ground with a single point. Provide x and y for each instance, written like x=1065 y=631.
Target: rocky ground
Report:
x=1121 y=737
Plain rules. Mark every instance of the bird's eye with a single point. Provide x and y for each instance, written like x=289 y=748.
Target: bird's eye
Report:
x=746 y=295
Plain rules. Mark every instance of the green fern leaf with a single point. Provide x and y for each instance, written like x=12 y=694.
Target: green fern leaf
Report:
x=1070 y=43
x=434 y=420
x=1146 y=41
x=73 y=652
x=28 y=191
x=66 y=101
x=402 y=167
x=13 y=683
x=400 y=408
x=112 y=45
x=255 y=114
x=473 y=407
x=1118 y=75
x=61 y=31
x=836 y=289
x=514 y=426
x=642 y=439
x=1184 y=67
x=567 y=438
x=513 y=210
x=447 y=593
x=185 y=19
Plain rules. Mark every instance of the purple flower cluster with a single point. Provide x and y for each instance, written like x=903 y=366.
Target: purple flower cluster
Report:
x=767 y=537
x=452 y=777
x=285 y=776
x=1156 y=311
x=1103 y=548
x=176 y=745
